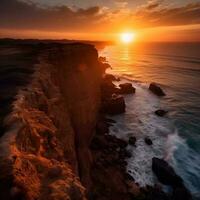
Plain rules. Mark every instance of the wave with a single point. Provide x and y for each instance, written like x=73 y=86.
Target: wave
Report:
x=194 y=60
x=140 y=121
x=185 y=161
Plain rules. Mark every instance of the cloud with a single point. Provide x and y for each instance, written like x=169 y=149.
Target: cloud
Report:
x=165 y=16
x=152 y=4
x=22 y=15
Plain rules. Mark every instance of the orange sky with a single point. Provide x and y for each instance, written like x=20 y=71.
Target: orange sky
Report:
x=150 y=20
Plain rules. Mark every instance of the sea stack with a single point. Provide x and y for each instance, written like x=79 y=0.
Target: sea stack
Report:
x=156 y=89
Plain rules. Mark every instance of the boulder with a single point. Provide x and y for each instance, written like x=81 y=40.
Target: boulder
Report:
x=110 y=121
x=98 y=143
x=148 y=141
x=160 y=112
x=133 y=189
x=104 y=66
x=126 y=88
x=102 y=59
x=165 y=173
x=156 y=89
x=181 y=193
x=123 y=153
x=132 y=140
x=128 y=177
x=102 y=127
x=122 y=143
x=110 y=77
x=114 y=105
x=108 y=89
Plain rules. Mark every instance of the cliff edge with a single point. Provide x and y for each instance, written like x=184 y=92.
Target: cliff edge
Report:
x=45 y=148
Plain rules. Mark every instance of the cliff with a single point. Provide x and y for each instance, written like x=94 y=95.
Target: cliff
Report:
x=44 y=152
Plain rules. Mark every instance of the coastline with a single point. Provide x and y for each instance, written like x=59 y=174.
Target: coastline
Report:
x=60 y=139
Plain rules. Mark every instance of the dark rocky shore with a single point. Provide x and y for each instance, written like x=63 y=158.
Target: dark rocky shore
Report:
x=55 y=141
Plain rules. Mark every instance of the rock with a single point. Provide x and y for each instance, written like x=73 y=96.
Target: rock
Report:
x=181 y=193
x=113 y=106
x=126 y=88
x=133 y=189
x=148 y=141
x=132 y=140
x=117 y=79
x=123 y=153
x=110 y=121
x=108 y=89
x=156 y=89
x=122 y=143
x=102 y=59
x=165 y=173
x=98 y=143
x=161 y=113
x=129 y=177
x=154 y=193
x=110 y=77
x=102 y=127
x=104 y=66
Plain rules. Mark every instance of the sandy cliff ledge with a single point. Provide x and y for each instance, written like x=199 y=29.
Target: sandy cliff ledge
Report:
x=45 y=148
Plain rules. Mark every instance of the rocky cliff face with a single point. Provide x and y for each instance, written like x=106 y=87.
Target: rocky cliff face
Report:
x=45 y=148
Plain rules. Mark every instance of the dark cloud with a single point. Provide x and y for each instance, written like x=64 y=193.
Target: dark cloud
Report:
x=17 y=14
x=188 y=14
x=89 y=12
x=152 y=4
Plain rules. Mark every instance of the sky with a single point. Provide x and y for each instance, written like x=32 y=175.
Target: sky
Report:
x=150 y=20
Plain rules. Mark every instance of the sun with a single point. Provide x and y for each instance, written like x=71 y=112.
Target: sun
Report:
x=127 y=37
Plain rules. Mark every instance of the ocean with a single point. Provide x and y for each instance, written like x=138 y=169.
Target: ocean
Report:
x=175 y=67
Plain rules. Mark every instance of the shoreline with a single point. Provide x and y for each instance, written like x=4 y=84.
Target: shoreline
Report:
x=60 y=145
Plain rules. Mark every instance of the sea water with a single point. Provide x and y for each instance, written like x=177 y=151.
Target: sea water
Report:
x=175 y=67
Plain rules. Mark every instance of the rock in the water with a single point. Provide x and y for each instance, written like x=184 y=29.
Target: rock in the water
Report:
x=122 y=143
x=115 y=105
x=148 y=141
x=110 y=77
x=156 y=89
x=123 y=153
x=110 y=121
x=117 y=79
x=107 y=89
x=165 y=173
x=126 y=88
x=129 y=177
x=102 y=127
x=160 y=112
x=104 y=66
x=98 y=143
x=132 y=140
x=102 y=59
x=181 y=193
x=133 y=189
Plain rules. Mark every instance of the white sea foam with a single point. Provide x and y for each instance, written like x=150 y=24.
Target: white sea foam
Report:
x=179 y=154
x=140 y=121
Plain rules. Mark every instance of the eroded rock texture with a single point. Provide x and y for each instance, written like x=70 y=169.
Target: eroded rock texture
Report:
x=45 y=148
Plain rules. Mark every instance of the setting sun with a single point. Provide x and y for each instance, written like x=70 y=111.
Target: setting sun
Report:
x=127 y=37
